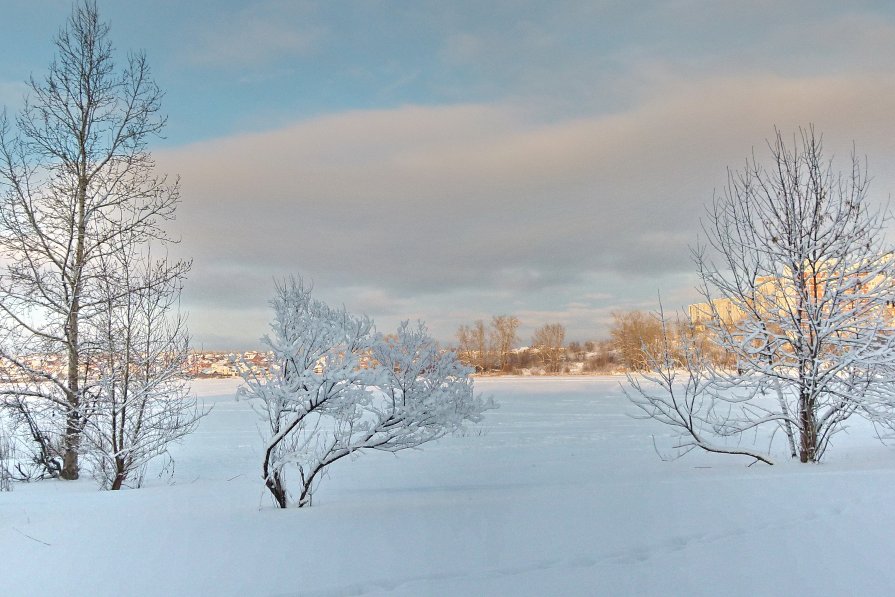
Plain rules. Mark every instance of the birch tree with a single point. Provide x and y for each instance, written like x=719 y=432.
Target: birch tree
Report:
x=339 y=389
x=79 y=185
x=798 y=283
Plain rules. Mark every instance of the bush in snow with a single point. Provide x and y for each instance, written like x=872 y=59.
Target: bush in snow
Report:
x=338 y=388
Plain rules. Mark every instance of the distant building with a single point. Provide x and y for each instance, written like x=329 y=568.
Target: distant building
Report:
x=778 y=294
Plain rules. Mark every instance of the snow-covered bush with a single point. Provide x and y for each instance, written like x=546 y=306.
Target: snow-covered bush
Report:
x=338 y=388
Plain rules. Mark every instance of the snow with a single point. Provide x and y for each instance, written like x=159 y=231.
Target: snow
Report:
x=559 y=492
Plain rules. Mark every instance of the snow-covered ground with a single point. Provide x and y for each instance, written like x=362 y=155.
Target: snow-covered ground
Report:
x=560 y=492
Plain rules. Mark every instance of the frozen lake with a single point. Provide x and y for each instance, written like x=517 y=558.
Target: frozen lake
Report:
x=558 y=492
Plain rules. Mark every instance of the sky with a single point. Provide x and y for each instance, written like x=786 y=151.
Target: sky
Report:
x=451 y=161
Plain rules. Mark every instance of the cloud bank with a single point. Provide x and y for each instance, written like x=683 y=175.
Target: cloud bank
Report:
x=456 y=212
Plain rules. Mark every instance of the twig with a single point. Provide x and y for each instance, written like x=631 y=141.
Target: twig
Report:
x=30 y=537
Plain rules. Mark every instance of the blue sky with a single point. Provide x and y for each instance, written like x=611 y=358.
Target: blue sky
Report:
x=454 y=160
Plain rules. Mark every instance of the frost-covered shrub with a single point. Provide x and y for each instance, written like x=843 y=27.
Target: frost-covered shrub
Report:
x=338 y=388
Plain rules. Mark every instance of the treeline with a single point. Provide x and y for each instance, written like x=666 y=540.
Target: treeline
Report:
x=635 y=334
x=494 y=348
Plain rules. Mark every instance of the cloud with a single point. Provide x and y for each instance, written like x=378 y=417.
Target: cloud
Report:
x=508 y=156
x=579 y=57
x=485 y=204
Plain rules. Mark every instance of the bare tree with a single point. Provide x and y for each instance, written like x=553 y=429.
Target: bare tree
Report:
x=675 y=387
x=630 y=332
x=473 y=346
x=464 y=345
x=79 y=185
x=479 y=340
x=549 y=340
x=142 y=401
x=798 y=282
x=504 y=338
x=340 y=389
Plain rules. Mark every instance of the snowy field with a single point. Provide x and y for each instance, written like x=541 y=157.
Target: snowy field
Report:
x=560 y=492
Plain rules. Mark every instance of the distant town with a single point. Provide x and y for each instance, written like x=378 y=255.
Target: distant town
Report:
x=201 y=364
x=208 y=364
x=575 y=359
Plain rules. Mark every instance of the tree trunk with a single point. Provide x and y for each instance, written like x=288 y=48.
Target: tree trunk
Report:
x=307 y=489
x=70 y=468
x=120 y=474
x=71 y=442
x=807 y=431
x=116 y=484
x=275 y=484
x=70 y=465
